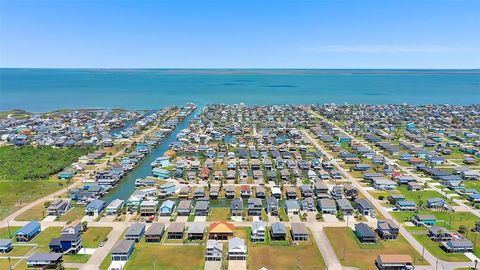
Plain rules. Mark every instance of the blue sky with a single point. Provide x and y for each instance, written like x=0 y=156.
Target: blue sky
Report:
x=240 y=34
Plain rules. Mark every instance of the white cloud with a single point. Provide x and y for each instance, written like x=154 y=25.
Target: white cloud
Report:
x=382 y=49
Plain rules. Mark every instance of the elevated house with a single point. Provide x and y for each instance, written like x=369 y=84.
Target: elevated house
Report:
x=148 y=207
x=387 y=229
x=69 y=242
x=176 y=230
x=299 y=232
x=458 y=245
x=237 y=207
x=94 y=208
x=196 y=231
x=278 y=231
x=184 y=207
x=394 y=262
x=364 y=233
x=167 y=207
x=44 y=260
x=28 y=232
x=424 y=220
x=237 y=250
x=327 y=206
x=114 y=207
x=364 y=206
x=439 y=234
x=135 y=232
x=272 y=206
x=258 y=231
x=58 y=207
x=202 y=208
x=122 y=250
x=344 y=206
x=255 y=207
x=221 y=230
x=154 y=233
x=214 y=251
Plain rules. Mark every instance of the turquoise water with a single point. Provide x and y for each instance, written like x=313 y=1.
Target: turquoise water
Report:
x=49 y=89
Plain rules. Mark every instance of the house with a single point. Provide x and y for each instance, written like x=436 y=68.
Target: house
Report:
x=183 y=192
x=167 y=189
x=258 y=231
x=154 y=233
x=5 y=245
x=272 y=206
x=290 y=192
x=277 y=192
x=364 y=233
x=407 y=206
x=237 y=250
x=255 y=207
x=299 y=232
x=245 y=191
x=175 y=230
x=167 y=207
x=214 y=192
x=413 y=186
x=394 y=262
x=196 y=231
x=199 y=192
x=201 y=208
x=58 y=207
x=28 y=232
x=344 y=206
x=70 y=241
x=160 y=173
x=384 y=184
x=336 y=192
x=470 y=175
x=214 y=251
x=350 y=191
x=44 y=260
x=122 y=250
x=308 y=204
x=230 y=192
x=114 y=207
x=306 y=191
x=94 y=208
x=237 y=207
x=458 y=245
x=135 y=232
x=439 y=234
x=394 y=198
x=260 y=192
x=424 y=220
x=221 y=230
x=327 y=206
x=278 y=231
x=361 y=167
x=66 y=174
x=184 y=207
x=320 y=189
x=436 y=203
x=475 y=198
x=364 y=206
x=148 y=207
x=387 y=229
x=292 y=207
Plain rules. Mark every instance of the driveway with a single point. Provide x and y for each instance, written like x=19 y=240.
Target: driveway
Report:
x=213 y=265
x=237 y=265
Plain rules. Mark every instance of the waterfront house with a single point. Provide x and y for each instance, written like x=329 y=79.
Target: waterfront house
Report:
x=424 y=220
x=94 y=208
x=122 y=250
x=70 y=241
x=184 y=207
x=176 y=230
x=278 y=231
x=439 y=234
x=292 y=207
x=5 y=245
x=237 y=207
x=160 y=173
x=254 y=207
x=387 y=229
x=327 y=206
x=237 y=250
x=196 y=231
x=201 y=208
x=148 y=207
x=154 y=233
x=221 y=230
x=214 y=251
x=364 y=233
x=394 y=262
x=299 y=232
x=115 y=207
x=258 y=231
x=28 y=232
x=167 y=189
x=135 y=232
x=44 y=260
x=167 y=207
x=272 y=206
x=58 y=207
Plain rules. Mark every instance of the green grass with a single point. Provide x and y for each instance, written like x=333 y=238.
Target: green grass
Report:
x=4 y=232
x=43 y=239
x=94 y=235
x=76 y=258
x=16 y=193
x=437 y=251
x=18 y=251
x=282 y=215
x=218 y=214
x=351 y=253
x=472 y=184
x=166 y=257
x=35 y=213
x=75 y=213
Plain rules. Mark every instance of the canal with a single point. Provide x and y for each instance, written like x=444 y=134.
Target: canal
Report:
x=126 y=186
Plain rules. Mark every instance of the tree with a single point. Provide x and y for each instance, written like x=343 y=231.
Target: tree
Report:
x=462 y=229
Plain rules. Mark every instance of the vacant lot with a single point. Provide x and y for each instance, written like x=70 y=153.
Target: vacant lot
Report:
x=94 y=235
x=76 y=212
x=4 y=234
x=351 y=253
x=35 y=213
x=218 y=214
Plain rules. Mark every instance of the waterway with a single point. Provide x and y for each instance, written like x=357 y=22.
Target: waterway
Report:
x=126 y=186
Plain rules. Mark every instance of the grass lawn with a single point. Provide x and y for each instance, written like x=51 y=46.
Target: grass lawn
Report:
x=76 y=258
x=4 y=232
x=4 y=263
x=76 y=212
x=472 y=184
x=16 y=193
x=35 y=213
x=351 y=253
x=449 y=220
x=218 y=214
x=94 y=235
x=43 y=239
x=282 y=215
x=437 y=251
x=166 y=257
x=18 y=251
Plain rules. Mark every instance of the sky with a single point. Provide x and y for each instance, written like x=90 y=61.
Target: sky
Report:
x=240 y=34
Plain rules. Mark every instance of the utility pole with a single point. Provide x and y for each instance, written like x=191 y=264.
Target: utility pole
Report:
x=9 y=232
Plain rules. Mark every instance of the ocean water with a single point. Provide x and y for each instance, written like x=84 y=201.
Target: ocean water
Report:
x=40 y=90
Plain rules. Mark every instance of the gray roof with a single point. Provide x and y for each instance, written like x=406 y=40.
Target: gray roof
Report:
x=278 y=227
x=4 y=242
x=364 y=230
x=344 y=204
x=155 y=229
x=136 y=229
x=327 y=203
x=176 y=227
x=299 y=228
x=202 y=205
x=45 y=257
x=123 y=246
x=184 y=204
x=291 y=204
x=196 y=228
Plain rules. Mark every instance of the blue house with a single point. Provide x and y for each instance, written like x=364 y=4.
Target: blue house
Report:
x=161 y=173
x=66 y=174
x=5 y=245
x=142 y=148
x=28 y=232
x=166 y=209
x=70 y=241
x=436 y=203
x=94 y=207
